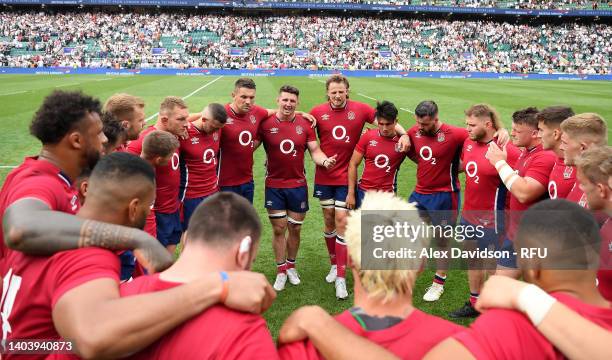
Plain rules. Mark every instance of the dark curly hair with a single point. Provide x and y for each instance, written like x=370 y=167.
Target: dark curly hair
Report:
x=59 y=113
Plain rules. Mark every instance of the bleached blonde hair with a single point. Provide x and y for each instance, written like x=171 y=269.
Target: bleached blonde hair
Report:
x=384 y=285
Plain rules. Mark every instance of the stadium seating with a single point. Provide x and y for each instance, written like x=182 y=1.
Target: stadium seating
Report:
x=130 y=40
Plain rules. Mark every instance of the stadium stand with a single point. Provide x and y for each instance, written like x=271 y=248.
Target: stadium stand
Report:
x=172 y=40
x=511 y=4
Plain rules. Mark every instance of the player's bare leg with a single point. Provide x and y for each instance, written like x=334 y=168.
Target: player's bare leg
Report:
x=294 y=226
x=341 y=252
x=329 y=235
x=476 y=275
x=278 y=219
x=437 y=287
x=171 y=249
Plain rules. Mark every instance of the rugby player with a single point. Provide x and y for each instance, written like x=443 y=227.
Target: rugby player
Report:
x=581 y=132
x=198 y=154
x=382 y=312
x=340 y=121
x=172 y=118
x=382 y=159
x=286 y=136
x=562 y=177
x=527 y=181
x=485 y=195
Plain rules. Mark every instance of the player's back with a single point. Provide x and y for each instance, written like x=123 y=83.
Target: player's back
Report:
x=217 y=333
x=411 y=338
x=508 y=334
x=167 y=177
x=35 y=283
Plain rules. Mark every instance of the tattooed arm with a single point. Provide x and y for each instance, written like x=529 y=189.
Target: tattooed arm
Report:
x=32 y=228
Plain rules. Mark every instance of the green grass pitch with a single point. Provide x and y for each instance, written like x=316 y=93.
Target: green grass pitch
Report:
x=20 y=96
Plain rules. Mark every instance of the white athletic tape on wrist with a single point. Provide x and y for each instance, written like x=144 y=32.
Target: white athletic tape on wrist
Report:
x=293 y=221
x=506 y=173
x=535 y=303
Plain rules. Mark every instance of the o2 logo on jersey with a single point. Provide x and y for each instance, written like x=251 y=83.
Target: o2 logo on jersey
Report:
x=175 y=161
x=339 y=133
x=209 y=157
x=552 y=189
x=11 y=284
x=471 y=169
x=382 y=161
x=427 y=154
x=245 y=138
x=291 y=147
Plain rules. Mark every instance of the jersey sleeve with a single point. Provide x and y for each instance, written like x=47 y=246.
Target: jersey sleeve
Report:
x=363 y=143
x=76 y=267
x=135 y=147
x=540 y=168
x=370 y=113
x=262 y=112
x=504 y=334
x=38 y=188
x=310 y=133
x=251 y=341
x=299 y=350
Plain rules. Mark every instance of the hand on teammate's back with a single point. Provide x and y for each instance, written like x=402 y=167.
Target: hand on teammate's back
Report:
x=330 y=162
x=152 y=255
x=499 y=292
x=249 y=291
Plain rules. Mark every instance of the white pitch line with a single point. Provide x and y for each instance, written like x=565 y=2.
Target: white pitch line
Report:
x=8 y=166
x=188 y=96
x=407 y=110
x=14 y=93
x=70 y=84
x=366 y=96
x=104 y=79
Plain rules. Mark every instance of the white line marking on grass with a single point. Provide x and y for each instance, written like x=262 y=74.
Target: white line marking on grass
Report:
x=407 y=110
x=70 y=84
x=15 y=93
x=104 y=79
x=189 y=95
x=366 y=96
x=8 y=166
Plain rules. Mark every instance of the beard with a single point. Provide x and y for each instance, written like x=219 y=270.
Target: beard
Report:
x=140 y=223
x=91 y=159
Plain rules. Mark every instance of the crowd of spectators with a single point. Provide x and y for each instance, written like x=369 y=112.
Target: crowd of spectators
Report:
x=130 y=40
x=506 y=4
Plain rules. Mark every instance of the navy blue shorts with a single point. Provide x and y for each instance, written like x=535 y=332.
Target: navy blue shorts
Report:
x=292 y=199
x=360 y=194
x=331 y=195
x=189 y=206
x=128 y=263
x=442 y=207
x=509 y=262
x=169 y=228
x=246 y=190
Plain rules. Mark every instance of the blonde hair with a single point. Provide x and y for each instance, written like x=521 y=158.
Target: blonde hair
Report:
x=170 y=103
x=596 y=164
x=122 y=105
x=588 y=127
x=485 y=110
x=384 y=285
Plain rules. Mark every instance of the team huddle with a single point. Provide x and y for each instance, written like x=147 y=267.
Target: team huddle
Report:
x=90 y=227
